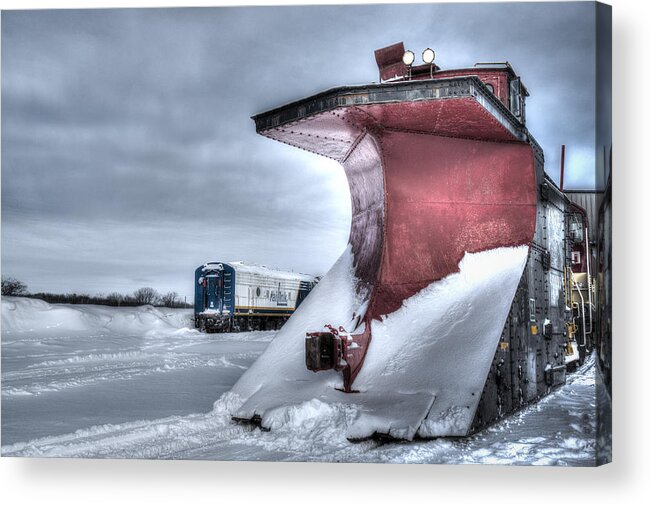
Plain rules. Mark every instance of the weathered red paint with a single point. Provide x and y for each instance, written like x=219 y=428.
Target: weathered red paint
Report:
x=389 y=61
x=580 y=247
x=334 y=133
x=498 y=78
x=429 y=181
x=445 y=197
x=390 y=65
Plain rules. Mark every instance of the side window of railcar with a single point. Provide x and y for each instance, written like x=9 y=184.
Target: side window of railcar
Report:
x=516 y=98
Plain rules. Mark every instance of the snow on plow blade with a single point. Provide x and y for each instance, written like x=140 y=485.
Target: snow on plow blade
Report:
x=443 y=186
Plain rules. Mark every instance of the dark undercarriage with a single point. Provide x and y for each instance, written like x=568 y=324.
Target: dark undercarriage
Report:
x=215 y=323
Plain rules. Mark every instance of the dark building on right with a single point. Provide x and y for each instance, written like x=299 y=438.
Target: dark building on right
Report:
x=595 y=206
x=589 y=232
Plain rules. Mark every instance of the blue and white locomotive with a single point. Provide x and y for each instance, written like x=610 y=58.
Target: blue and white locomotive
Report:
x=234 y=296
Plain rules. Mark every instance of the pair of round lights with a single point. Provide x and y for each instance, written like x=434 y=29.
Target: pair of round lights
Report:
x=409 y=57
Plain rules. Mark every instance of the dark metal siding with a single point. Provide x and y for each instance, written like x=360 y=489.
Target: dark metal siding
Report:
x=527 y=365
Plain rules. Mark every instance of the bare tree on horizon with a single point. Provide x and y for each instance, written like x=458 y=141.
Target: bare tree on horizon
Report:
x=170 y=299
x=12 y=286
x=146 y=295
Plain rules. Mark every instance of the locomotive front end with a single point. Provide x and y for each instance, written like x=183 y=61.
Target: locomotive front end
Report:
x=211 y=311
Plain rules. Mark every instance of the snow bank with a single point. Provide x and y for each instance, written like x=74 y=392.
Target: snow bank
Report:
x=427 y=362
x=21 y=315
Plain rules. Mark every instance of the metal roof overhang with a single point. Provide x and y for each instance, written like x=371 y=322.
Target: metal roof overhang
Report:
x=330 y=122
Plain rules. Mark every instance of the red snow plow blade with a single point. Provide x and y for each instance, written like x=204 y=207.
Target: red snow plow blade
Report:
x=436 y=169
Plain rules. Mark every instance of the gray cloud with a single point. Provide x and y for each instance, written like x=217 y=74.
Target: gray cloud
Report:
x=129 y=156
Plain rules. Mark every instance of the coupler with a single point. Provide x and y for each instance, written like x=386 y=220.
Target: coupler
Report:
x=337 y=349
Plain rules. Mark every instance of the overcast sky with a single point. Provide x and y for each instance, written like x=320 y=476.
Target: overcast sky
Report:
x=128 y=152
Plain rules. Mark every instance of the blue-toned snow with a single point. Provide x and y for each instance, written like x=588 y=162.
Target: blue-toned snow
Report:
x=91 y=381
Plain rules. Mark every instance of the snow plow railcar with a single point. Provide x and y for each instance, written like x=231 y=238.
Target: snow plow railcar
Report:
x=448 y=309
x=236 y=296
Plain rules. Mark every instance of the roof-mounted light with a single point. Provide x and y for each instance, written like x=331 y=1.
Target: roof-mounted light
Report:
x=408 y=58
x=428 y=56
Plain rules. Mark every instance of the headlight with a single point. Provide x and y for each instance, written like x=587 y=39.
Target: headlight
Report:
x=408 y=58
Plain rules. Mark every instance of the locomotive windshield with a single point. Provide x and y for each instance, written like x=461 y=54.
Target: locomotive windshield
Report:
x=213 y=291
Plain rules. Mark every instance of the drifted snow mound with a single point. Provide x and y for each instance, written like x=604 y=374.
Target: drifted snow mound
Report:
x=20 y=315
x=427 y=362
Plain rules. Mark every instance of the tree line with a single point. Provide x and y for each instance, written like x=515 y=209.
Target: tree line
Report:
x=140 y=297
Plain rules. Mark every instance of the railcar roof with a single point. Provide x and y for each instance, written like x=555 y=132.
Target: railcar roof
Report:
x=261 y=270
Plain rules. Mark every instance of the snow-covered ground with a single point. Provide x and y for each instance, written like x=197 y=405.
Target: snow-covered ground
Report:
x=91 y=381
x=68 y=367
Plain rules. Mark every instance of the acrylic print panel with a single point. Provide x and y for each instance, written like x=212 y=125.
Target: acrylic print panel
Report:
x=216 y=246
